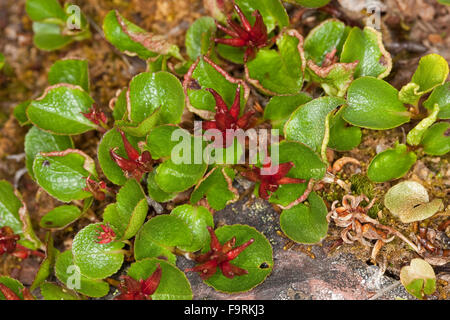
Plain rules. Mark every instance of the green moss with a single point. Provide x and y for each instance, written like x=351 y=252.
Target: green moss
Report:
x=362 y=185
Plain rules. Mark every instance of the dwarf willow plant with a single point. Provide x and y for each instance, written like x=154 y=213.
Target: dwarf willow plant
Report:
x=139 y=156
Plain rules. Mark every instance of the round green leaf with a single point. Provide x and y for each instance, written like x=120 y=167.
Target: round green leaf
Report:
x=321 y=40
x=418 y=278
x=441 y=97
x=409 y=202
x=160 y=235
x=48 y=37
x=256 y=259
x=63 y=173
x=9 y=207
x=307 y=124
x=197 y=219
x=431 y=72
x=51 y=291
x=69 y=274
x=306 y=223
x=199 y=37
x=129 y=212
x=96 y=260
x=173 y=284
x=307 y=164
x=155 y=192
x=150 y=91
x=59 y=110
x=436 y=140
x=374 y=104
x=217 y=187
x=110 y=140
x=60 y=217
x=20 y=112
x=159 y=140
x=173 y=177
x=287 y=193
x=391 y=164
x=279 y=71
x=280 y=108
x=366 y=46
x=39 y=10
x=71 y=71
x=343 y=137
x=38 y=140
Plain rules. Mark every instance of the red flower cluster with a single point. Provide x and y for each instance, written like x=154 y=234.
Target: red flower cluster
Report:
x=97 y=188
x=95 y=115
x=252 y=37
x=139 y=290
x=9 y=245
x=220 y=256
x=136 y=164
x=228 y=119
x=271 y=182
x=106 y=234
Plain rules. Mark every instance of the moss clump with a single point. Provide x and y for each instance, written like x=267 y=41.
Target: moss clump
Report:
x=362 y=185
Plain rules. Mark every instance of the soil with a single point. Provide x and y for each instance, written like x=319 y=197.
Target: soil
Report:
x=411 y=29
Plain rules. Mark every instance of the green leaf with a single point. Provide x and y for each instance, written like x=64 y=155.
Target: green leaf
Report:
x=233 y=54
x=280 y=108
x=306 y=223
x=325 y=37
x=132 y=40
x=366 y=46
x=48 y=37
x=2 y=61
x=71 y=71
x=446 y=2
x=173 y=177
x=59 y=110
x=69 y=274
x=159 y=236
x=173 y=284
x=414 y=276
x=159 y=140
x=155 y=192
x=47 y=265
x=279 y=71
x=9 y=208
x=63 y=173
x=197 y=219
x=286 y=194
x=128 y=214
x=20 y=112
x=13 y=284
x=150 y=91
x=391 y=164
x=51 y=291
x=37 y=141
x=436 y=140
x=256 y=259
x=39 y=10
x=60 y=217
x=208 y=75
x=343 y=137
x=307 y=124
x=120 y=105
x=183 y=170
x=272 y=11
x=110 y=140
x=409 y=201
x=310 y=3
x=431 y=72
x=307 y=164
x=14 y=214
x=218 y=188
x=441 y=97
x=199 y=37
x=96 y=260
x=374 y=104
x=416 y=134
